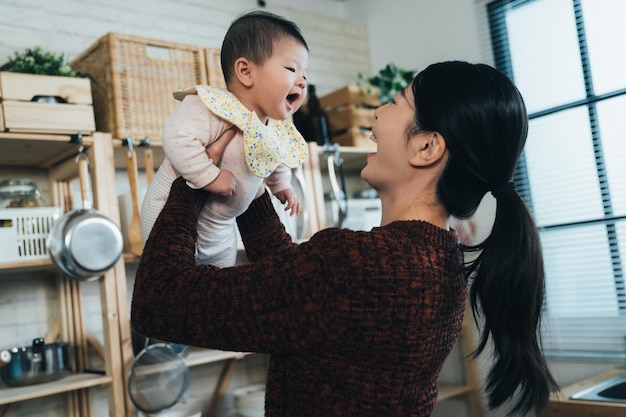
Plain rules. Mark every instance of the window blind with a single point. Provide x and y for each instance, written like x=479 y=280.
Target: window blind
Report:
x=566 y=57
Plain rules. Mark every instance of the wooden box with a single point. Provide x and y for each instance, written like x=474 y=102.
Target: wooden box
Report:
x=350 y=94
x=350 y=116
x=354 y=136
x=45 y=104
x=350 y=112
x=133 y=81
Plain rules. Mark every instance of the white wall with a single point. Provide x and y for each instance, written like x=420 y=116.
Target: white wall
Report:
x=339 y=47
x=414 y=34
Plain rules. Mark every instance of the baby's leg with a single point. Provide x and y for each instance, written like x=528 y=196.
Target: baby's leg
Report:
x=217 y=239
x=154 y=201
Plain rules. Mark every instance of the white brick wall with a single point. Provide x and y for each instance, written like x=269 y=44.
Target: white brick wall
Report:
x=339 y=47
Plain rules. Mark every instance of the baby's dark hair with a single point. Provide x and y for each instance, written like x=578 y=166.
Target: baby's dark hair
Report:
x=252 y=36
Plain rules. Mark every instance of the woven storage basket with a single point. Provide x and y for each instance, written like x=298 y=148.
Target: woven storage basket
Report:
x=215 y=75
x=133 y=79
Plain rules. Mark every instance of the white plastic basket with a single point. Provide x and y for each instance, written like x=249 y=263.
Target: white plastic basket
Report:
x=24 y=232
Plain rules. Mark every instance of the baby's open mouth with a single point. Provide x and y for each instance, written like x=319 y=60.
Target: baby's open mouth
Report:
x=292 y=97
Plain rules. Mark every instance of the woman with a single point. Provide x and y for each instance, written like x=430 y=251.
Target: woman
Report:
x=360 y=323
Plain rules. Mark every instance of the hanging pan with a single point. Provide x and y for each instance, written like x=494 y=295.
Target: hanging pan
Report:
x=83 y=244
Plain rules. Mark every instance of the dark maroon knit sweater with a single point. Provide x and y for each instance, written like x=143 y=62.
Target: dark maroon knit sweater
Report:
x=356 y=323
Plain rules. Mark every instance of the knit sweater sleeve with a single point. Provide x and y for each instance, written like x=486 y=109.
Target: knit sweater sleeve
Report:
x=177 y=300
x=397 y=292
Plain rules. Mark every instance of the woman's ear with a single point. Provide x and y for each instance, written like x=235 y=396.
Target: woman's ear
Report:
x=243 y=71
x=427 y=148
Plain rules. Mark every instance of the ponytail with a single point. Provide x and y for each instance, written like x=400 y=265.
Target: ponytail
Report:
x=482 y=118
x=506 y=297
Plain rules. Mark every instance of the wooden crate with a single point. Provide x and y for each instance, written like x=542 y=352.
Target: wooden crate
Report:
x=350 y=112
x=350 y=116
x=23 y=107
x=350 y=95
x=215 y=75
x=133 y=79
x=355 y=136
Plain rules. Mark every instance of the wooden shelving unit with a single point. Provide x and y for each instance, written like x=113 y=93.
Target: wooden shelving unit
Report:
x=54 y=154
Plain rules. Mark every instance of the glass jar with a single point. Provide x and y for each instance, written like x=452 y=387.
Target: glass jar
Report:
x=19 y=193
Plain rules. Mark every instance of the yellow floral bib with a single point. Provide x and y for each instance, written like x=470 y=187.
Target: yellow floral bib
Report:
x=265 y=147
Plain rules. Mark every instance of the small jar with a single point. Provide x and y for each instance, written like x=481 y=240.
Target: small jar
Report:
x=19 y=193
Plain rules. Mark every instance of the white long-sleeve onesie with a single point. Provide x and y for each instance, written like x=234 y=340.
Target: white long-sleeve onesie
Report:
x=186 y=134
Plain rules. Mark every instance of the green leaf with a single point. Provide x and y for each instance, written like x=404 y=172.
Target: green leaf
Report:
x=37 y=61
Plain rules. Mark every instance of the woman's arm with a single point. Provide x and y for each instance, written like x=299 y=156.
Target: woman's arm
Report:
x=261 y=306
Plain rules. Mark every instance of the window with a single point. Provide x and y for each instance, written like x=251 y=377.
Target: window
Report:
x=567 y=59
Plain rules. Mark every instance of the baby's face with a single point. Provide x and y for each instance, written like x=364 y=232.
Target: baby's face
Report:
x=280 y=84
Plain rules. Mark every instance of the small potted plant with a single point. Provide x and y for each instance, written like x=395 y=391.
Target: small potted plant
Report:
x=41 y=93
x=37 y=61
x=390 y=80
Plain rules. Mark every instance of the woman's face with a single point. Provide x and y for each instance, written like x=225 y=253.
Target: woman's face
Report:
x=389 y=165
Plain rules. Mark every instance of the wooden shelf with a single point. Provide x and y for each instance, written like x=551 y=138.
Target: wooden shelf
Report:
x=69 y=383
x=120 y=154
x=198 y=357
x=38 y=265
x=38 y=149
x=449 y=391
x=354 y=157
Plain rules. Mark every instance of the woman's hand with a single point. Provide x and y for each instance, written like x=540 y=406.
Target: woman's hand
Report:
x=225 y=184
x=215 y=150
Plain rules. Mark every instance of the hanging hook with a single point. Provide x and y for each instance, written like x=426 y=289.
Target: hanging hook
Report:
x=128 y=142
x=333 y=149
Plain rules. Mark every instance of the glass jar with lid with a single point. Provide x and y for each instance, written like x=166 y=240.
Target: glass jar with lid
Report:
x=19 y=193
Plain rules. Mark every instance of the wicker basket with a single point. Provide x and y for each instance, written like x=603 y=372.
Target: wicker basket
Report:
x=133 y=79
x=215 y=75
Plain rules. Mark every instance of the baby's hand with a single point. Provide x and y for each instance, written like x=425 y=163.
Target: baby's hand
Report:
x=289 y=197
x=225 y=184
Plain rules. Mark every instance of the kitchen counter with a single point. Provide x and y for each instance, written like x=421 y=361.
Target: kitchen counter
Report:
x=562 y=406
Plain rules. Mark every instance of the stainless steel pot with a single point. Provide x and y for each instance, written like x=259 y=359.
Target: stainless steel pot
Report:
x=36 y=364
x=83 y=243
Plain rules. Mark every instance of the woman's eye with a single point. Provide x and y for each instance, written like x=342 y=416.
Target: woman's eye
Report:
x=392 y=101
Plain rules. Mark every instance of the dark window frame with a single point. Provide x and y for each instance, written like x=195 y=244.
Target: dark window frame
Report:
x=502 y=58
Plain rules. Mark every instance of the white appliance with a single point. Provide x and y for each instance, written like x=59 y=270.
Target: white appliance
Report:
x=361 y=213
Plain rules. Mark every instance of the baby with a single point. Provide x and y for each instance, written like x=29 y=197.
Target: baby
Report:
x=264 y=59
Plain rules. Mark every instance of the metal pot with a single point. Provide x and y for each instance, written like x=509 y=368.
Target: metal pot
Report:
x=83 y=243
x=36 y=364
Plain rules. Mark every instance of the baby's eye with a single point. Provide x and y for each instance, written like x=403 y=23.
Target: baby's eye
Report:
x=290 y=69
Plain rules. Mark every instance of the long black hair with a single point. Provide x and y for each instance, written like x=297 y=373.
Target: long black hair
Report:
x=482 y=118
